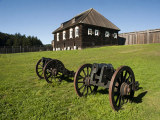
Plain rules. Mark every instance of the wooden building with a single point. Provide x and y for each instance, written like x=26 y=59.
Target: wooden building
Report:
x=87 y=29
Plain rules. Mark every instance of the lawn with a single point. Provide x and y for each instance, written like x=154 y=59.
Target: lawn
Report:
x=24 y=96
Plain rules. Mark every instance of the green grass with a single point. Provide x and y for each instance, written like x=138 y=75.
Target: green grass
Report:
x=24 y=96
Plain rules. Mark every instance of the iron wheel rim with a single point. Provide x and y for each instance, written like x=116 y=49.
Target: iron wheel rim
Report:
x=80 y=86
x=39 y=69
x=121 y=75
x=48 y=71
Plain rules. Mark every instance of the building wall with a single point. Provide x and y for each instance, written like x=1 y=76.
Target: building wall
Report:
x=84 y=40
x=68 y=42
x=101 y=40
x=141 y=37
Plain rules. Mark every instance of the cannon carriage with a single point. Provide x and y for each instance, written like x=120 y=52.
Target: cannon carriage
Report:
x=120 y=82
x=52 y=69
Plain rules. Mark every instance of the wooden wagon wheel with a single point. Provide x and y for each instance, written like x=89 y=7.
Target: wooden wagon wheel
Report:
x=53 y=70
x=121 y=87
x=39 y=69
x=82 y=81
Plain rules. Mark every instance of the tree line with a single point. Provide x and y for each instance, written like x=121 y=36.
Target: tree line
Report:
x=18 y=40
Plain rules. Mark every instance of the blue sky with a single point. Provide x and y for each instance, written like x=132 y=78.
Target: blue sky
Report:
x=41 y=17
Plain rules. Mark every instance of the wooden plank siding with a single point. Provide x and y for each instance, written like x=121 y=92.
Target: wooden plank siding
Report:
x=101 y=40
x=141 y=37
x=21 y=49
x=68 y=42
x=84 y=40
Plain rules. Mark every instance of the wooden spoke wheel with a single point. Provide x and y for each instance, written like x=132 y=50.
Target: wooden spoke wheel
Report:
x=39 y=69
x=82 y=81
x=53 y=70
x=121 y=87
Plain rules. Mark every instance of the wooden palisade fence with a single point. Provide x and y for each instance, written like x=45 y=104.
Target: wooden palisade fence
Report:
x=21 y=49
x=141 y=37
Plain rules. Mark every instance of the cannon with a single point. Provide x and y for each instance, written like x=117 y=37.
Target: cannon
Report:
x=52 y=69
x=120 y=82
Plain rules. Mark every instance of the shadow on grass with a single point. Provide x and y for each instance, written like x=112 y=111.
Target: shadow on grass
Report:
x=70 y=80
x=103 y=91
x=138 y=99
x=66 y=78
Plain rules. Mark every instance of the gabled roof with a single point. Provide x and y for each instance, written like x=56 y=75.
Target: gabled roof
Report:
x=91 y=17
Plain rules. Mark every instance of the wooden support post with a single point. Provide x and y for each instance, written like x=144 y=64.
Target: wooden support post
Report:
x=20 y=49
x=5 y=50
x=147 y=36
x=12 y=49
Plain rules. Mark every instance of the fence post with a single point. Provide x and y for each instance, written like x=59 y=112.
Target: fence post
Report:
x=20 y=48
x=27 y=49
x=148 y=36
x=12 y=49
x=5 y=50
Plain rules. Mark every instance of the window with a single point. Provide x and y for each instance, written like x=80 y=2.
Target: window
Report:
x=107 y=34
x=71 y=33
x=64 y=35
x=89 y=31
x=57 y=36
x=115 y=35
x=76 y=31
x=96 y=32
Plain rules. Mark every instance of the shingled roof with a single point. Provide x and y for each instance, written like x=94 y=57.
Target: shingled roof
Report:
x=91 y=17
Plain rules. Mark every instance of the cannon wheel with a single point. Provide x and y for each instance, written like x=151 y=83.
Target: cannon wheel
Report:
x=121 y=77
x=39 y=69
x=82 y=81
x=53 y=70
